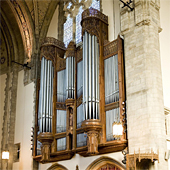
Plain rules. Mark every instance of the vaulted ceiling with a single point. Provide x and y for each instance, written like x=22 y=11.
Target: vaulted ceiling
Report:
x=23 y=24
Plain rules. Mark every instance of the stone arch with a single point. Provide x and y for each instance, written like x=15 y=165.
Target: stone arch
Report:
x=57 y=166
x=104 y=161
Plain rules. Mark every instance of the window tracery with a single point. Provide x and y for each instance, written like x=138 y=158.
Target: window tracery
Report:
x=68 y=25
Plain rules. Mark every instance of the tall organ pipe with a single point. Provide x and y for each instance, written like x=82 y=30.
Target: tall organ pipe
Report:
x=70 y=74
x=90 y=76
x=45 y=96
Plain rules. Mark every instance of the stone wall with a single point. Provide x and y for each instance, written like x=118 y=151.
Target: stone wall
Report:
x=145 y=107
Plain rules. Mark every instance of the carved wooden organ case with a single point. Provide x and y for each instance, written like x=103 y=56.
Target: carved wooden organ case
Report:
x=80 y=94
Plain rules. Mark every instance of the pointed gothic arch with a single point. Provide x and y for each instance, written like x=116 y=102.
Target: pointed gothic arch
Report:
x=57 y=166
x=105 y=162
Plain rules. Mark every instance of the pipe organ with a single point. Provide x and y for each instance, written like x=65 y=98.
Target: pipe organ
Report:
x=90 y=76
x=80 y=94
x=45 y=96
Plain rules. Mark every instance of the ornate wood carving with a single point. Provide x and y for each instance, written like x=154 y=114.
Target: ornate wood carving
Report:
x=93 y=128
x=54 y=42
x=110 y=49
x=60 y=106
x=132 y=158
x=92 y=142
x=48 y=52
x=89 y=13
x=91 y=26
x=46 y=139
x=79 y=100
x=53 y=49
x=95 y=23
x=79 y=55
x=70 y=52
x=61 y=63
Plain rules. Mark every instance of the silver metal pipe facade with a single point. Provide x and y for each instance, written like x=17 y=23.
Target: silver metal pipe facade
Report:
x=93 y=78
x=45 y=96
x=111 y=80
x=97 y=77
x=47 y=113
x=70 y=74
x=61 y=86
x=86 y=73
x=40 y=95
x=90 y=76
x=45 y=92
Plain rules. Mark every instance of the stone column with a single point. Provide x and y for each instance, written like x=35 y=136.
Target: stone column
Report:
x=145 y=107
x=9 y=116
x=62 y=20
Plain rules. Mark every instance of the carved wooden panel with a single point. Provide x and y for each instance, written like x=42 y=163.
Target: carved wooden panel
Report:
x=70 y=52
x=79 y=100
x=95 y=23
x=60 y=106
x=61 y=63
x=110 y=49
x=79 y=55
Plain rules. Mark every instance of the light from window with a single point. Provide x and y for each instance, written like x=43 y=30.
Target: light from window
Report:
x=68 y=26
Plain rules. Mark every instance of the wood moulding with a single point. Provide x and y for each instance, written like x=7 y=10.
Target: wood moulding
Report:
x=132 y=158
x=114 y=146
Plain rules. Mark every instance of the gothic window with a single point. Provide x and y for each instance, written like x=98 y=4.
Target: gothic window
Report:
x=68 y=25
x=68 y=30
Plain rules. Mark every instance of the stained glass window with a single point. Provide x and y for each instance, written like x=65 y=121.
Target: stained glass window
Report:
x=68 y=26
x=68 y=30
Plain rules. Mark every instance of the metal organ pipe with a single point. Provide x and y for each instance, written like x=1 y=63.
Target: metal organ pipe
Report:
x=45 y=96
x=86 y=74
x=90 y=76
x=70 y=74
x=90 y=73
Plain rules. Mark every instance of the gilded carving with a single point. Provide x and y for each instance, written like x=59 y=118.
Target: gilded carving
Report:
x=91 y=26
x=61 y=63
x=70 y=52
x=24 y=29
x=53 y=41
x=79 y=55
x=60 y=106
x=79 y=100
x=88 y=13
x=110 y=49
x=95 y=23
x=92 y=142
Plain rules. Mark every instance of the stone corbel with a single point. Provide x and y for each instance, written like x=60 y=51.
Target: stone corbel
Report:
x=132 y=158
